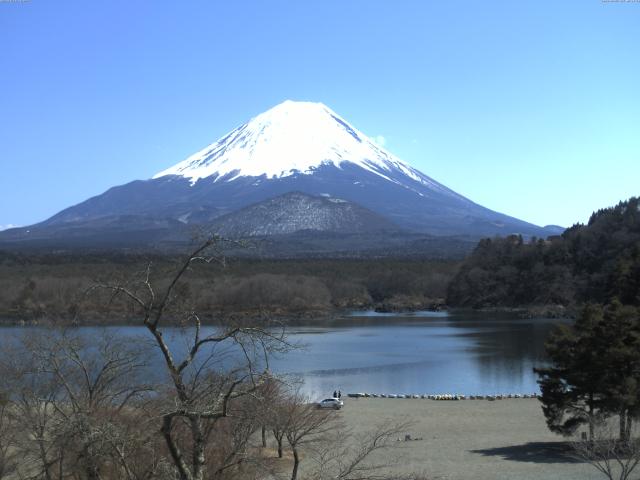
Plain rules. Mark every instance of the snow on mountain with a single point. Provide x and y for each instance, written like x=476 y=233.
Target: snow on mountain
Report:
x=293 y=137
x=245 y=179
x=296 y=211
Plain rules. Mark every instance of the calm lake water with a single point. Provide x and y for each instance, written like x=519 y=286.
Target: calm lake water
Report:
x=422 y=352
x=419 y=353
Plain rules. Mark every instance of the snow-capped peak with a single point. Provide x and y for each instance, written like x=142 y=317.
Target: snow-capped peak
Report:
x=292 y=137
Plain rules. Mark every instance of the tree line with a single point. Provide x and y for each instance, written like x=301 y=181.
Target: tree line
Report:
x=49 y=288
x=593 y=263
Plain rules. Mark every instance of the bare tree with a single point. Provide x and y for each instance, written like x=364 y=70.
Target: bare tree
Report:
x=201 y=387
x=8 y=460
x=69 y=395
x=275 y=412
x=231 y=447
x=345 y=456
x=135 y=450
x=303 y=424
x=97 y=381
x=616 y=459
x=34 y=423
x=269 y=396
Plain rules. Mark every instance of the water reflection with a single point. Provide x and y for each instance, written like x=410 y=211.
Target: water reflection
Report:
x=419 y=353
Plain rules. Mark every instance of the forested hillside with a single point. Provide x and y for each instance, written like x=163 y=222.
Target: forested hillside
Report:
x=588 y=263
x=50 y=287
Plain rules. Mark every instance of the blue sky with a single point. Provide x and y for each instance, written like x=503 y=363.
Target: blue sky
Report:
x=528 y=108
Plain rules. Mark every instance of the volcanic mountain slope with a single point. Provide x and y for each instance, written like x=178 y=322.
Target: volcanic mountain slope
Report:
x=297 y=211
x=294 y=147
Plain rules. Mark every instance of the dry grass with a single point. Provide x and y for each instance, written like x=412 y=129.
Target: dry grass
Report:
x=471 y=439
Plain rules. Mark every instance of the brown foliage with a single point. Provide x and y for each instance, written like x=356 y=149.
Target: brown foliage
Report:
x=49 y=289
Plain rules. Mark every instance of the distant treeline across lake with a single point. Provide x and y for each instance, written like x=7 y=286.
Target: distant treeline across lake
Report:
x=591 y=263
x=50 y=288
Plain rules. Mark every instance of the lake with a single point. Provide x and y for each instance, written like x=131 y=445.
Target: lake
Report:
x=417 y=353
x=424 y=352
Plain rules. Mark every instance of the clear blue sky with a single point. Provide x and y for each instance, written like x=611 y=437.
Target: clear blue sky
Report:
x=528 y=108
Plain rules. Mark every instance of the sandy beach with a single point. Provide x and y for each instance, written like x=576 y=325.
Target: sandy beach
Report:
x=471 y=439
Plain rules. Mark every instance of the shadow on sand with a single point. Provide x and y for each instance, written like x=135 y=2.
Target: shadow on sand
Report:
x=537 y=452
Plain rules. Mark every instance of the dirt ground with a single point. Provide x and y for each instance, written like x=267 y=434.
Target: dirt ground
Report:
x=471 y=439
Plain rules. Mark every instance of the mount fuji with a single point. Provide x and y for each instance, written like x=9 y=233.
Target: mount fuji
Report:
x=301 y=147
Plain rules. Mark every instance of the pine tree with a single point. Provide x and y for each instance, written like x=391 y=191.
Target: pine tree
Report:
x=618 y=337
x=571 y=387
x=595 y=371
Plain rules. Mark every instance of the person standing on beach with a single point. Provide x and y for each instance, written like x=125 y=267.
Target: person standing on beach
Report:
x=335 y=394
x=339 y=394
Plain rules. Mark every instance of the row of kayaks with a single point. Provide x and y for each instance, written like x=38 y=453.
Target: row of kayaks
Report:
x=446 y=396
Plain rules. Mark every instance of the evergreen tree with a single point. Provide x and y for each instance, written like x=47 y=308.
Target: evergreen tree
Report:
x=571 y=387
x=618 y=339
x=588 y=263
x=595 y=370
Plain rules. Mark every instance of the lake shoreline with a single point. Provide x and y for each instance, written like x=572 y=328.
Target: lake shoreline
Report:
x=288 y=318
x=384 y=353
x=535 y=311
